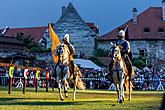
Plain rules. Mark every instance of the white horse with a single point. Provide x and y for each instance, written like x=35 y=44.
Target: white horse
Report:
x=120 y=74
x=63 y=75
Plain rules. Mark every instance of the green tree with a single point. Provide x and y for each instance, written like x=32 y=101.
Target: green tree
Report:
x=101 y=53
x=139 y=62
x=29 y=41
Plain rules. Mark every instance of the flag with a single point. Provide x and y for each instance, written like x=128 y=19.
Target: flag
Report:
x=11 y=71
x=26 y=73
x=126 y=33
x=55 y=41
x=37 y=73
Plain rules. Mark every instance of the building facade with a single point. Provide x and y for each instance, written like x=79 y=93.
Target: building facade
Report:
x=146 y=34
x=82 y=34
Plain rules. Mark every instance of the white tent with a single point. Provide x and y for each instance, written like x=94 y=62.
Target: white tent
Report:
x=86 y=64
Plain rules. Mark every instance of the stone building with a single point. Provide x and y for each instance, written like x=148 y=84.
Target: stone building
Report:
x=146 y=33
x=82 y=34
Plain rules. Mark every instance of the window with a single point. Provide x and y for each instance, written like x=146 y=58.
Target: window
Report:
x=142 y=53
x=161 y=30
x=146 y=30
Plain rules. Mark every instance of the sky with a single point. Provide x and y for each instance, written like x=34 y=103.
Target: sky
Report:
x=107 y=14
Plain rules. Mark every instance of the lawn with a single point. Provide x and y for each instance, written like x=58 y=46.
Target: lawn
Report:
x=86 y=100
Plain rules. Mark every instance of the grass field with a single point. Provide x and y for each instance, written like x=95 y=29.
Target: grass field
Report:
x=86 y=100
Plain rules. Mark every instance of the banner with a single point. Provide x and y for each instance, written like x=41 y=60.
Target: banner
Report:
x=25 y=73
x=47 y=74
x=11 y=71
x=37 y=73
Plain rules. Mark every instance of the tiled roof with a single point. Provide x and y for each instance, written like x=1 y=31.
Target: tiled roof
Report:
x=11 y=43
x=10 y=40
x=152 y=18
x=35 y=32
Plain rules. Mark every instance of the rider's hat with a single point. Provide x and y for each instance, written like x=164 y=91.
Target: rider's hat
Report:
x=66 y=38
x=121 y=33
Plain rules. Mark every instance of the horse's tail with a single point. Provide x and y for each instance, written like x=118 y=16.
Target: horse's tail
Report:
x=80 y=83
x=127 y=81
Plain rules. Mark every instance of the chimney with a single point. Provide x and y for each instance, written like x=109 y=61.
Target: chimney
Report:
x=63 y=10
x=163 y=10
x=134 y=14
x=5 y=30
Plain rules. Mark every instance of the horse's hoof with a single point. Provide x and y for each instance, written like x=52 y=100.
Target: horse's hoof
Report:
x=73 y=99
x=62 y=99
x=120 y=101
x=66 y=96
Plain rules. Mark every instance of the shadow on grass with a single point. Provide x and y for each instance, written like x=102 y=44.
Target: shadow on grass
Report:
x=22 y=101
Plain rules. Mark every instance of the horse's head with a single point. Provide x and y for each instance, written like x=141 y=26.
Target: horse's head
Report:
x=62 y=52
x=115 y=52
x=59 y=50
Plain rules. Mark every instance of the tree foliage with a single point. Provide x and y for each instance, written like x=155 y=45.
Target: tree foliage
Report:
x=101 y=53
x=139 y=62
x=29 y=41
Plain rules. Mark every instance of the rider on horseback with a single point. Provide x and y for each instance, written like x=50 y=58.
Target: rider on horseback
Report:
x=72 y=52
x=124 y=46
x=125 y=50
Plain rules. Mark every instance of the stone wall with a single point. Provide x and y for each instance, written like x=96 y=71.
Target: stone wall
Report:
x=155 y=50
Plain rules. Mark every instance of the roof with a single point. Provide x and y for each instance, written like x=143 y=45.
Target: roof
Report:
x=86 y=64
x=71 y=22
x=151 y=17
x=10 y=40
x=35 y=32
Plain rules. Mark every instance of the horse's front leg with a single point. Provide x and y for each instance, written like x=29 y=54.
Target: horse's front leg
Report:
x=66 y=84
x=117 y=90
x=59 y=88
x=75 y=79
x=66 y=88
x=121 y=91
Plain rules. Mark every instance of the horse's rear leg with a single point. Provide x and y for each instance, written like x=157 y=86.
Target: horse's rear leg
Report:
x=60 y=93
x=123 y=94
x=130 y=88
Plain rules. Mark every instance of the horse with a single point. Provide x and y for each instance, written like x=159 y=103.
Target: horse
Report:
x=120 y=74
x=63 y=74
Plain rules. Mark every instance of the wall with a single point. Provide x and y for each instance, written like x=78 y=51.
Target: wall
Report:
x=155 y=49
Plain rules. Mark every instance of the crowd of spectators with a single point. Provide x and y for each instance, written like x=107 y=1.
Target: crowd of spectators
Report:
x=147 y=78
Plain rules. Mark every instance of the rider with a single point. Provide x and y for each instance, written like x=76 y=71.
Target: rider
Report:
x=125 y=49
x=124 y=45
x=72 y=51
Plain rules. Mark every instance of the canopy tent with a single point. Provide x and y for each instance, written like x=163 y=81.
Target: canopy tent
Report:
x=86 y=64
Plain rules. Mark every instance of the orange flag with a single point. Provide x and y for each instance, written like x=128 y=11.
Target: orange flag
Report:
x=55 y=42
